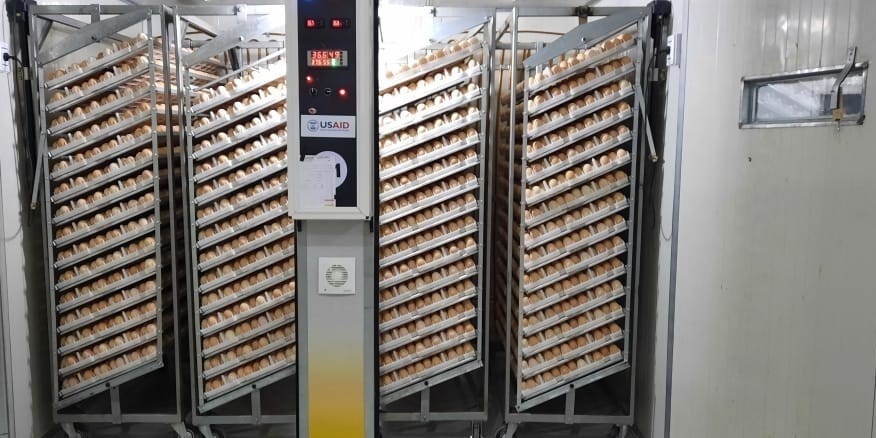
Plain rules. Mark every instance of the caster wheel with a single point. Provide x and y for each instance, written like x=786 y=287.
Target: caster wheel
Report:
x=504 y=432
x=476 y=430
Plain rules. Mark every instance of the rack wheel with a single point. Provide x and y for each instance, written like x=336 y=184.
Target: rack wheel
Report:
x=506 y=431
x=477 y=430
x=71 y=431
x=621 y=431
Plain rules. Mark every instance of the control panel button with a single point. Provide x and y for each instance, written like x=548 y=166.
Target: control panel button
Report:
x=328 y=91
x=314 y=91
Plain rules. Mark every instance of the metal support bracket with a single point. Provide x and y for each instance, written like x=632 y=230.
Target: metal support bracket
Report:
x=92 y=33
x=640 y=99
x=115 y=405
x=256 y=399
x=233 y=37
x=569 y=413
x=425 y=404
x=836 y=101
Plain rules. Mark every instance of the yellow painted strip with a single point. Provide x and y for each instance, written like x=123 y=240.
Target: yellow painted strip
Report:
x=336 y=389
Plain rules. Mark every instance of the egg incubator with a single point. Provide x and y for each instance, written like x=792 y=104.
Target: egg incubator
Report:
x=304 y=219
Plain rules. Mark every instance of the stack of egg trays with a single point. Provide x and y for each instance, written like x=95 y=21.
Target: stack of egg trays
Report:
x=431 y=127
x=573 y=216
x=243 y=257
x=104 y=211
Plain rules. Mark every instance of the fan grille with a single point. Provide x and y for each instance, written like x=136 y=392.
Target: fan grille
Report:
x=337 y=275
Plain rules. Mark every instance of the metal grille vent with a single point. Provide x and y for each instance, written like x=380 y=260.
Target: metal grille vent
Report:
x=337 y=275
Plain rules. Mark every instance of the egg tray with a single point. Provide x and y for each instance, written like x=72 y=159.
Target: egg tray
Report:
x=427 y=288
x=102 y=111
x=430 y=135
x=247 y=181
x=446 y=322
x=446 y=344
x=123 y=125
x=436 y=110
x=249 y=202
x=248 y=292
x=595 y=216
x=129 y=366
x=274 y=73
x=126 y=259
x=588 y=299
x=574 y=248
x=599 y=148
x=128 y=324
x=81 y=74
x=445 y=302
x=437 y=154
x=247 y=157
x=255 y=354
x=433 y=371
x=82 y=321
x=250 y=335
x=219 y=122
x=528 y=372
x=445 y=195
x=580 y=114
x=564 y=273
x=121 y=149
x=452 y=76
x=109 y=222
x=446 y=216
x=244 y=316
x=571 y=139
x=243 y=272
x=230 y=385
x=581 y=66
x=565 y=380
x=447 y=259
x=267 y=125
x=577 y=181
x=430 y=179
x=231 y=231
x=92 y=185
x=424 y=69
x=110 y=288
x=96 y=359
x=602 y=79
x=72 y=98
x=591 y=324
x=109 y=244
x=250 y=246
x=418 y=249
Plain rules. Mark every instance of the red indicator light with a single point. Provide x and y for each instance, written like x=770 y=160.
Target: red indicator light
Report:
x=340 y=23
x=308 y=79
x=314 y=23
x=342 y=92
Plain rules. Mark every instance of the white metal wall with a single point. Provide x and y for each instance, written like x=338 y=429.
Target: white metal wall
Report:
x=774 y=327
x=23 y=300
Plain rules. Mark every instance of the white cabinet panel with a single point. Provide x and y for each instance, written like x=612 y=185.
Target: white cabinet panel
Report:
x=774 y=334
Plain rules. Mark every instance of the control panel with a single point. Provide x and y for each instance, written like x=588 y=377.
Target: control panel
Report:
x=331 y=176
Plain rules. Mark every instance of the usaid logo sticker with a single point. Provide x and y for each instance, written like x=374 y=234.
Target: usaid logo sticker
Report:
x=328 y=126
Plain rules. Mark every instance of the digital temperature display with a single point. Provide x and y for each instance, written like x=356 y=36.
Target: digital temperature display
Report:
x=327 y=58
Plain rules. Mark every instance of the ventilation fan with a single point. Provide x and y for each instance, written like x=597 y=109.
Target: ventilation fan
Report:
x=338 y=275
